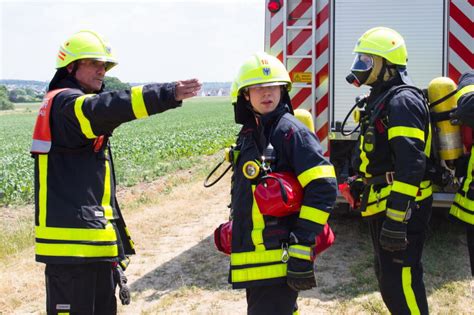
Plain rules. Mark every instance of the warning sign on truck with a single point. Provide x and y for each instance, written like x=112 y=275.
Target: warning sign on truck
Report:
x=301 y=77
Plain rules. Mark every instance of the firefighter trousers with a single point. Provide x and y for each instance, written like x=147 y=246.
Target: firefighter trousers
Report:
x=80 y=289
x=278 y=299
x=400 y=273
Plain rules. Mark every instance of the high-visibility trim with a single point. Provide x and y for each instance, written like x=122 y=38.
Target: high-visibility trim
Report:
x=300 y=251
x=43 y=188
x=464 y=90
x=408 y=291
x=396 y=215
x=258 y=224
x=252 y=258
x=409 y=132
x=314 y=215
x=428 y=142
x=75 y=250
x=461 y=214
x=258 y=273
x=404 y=188
x=74 y=234
x=138 y=103
x=426 y=190
x=108 y=213
x=363 y=157
x=84 y=123
x=321 y=171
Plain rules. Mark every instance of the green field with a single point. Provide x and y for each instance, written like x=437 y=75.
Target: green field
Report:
x=143 y=150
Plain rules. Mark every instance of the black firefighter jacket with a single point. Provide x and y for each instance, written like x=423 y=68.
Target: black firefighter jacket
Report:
x=257 y=240
x=77 y=219
x=394 y=145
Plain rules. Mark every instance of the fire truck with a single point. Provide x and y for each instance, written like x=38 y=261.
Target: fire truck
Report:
x=315 y=38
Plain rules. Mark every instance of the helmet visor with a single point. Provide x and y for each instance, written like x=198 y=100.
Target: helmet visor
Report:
x=362 y=62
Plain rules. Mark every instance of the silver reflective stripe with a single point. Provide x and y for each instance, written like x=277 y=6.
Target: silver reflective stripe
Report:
x=40 y=146
x=293 y=250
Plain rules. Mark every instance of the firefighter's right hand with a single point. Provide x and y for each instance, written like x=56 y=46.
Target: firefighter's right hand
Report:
x=300 y=274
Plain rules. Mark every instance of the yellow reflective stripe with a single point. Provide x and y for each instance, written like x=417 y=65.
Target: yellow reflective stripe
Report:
x=84 y=123
x=316 y=172
x=300 y=251
x=462 y=214
x=138 y=103
x=410 y=132
x=258 y=273
x=76 y=250
x=464 y=90
x=404 y=188
x=43 y=188
x=396 y=215
x=71 y=234
x=258 y=224
x=108 y=213
x=427 y=149
x=314 y=215
x=132 y=244
x=363 y=157
x=252 y=258
x=426 y=191
x=408 y=291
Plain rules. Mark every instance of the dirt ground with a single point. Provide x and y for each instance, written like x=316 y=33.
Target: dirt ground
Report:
x=178 y=271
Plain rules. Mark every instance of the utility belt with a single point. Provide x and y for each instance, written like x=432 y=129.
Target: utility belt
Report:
x=386 y=178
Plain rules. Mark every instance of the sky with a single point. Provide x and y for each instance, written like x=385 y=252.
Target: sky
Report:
x=154 y=40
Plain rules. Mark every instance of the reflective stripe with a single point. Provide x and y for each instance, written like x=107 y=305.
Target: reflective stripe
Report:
x=321 y=171
x=409 y=132
x=74 y=234
x=252 y=258
x=258 y=224
x=138 y=104
x=108 y=213
x=300 y=251
x=258 y=273
x=396 y=214
x=408 y=291
x=374 y=207
x=364 y=160
x=40 y=146
x=462 y=214
x=84 y=123
x=75 y=250
x=428 y=142
x=464 y=90
x=314 y=215
x=43 y=188
x=404 y=188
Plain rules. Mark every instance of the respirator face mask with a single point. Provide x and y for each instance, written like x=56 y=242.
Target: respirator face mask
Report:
x=360 y=69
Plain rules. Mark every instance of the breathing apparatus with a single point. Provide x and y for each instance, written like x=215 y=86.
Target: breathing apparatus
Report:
x=442 y=103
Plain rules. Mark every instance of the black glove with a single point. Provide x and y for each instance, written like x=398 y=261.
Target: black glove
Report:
x=393 y=236
x=121 y=280
x=300 y=274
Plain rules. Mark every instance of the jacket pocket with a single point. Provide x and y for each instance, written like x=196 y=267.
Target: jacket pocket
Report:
x=93 y=216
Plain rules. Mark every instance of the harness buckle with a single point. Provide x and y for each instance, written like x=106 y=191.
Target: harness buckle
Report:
x=285 y=256
x=389 y=177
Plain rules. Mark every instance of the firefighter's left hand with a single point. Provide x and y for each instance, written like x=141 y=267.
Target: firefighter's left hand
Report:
x=300 y=274
x=186 y=89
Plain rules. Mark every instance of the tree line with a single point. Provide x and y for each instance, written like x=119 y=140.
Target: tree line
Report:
x=33 y=91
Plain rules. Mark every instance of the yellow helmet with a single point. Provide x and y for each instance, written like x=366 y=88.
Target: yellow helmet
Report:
x=85 y=44
x=383 y=42
x=260 y=69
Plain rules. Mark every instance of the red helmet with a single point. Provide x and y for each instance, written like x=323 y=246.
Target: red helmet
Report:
x=279 y=194
x=223 y=237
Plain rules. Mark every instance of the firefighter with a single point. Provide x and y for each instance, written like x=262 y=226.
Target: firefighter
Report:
x=391 y=156
x=80 y=232
x=271 y=256
x=462 y=208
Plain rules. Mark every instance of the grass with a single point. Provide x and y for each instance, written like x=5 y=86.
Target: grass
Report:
x=144 y=150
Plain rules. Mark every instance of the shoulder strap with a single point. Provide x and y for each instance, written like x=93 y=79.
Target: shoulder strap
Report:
x=42 y=132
